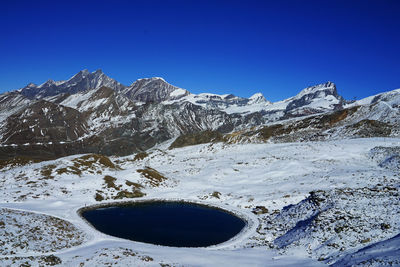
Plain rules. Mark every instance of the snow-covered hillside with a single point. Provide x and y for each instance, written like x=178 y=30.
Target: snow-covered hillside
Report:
x=351 y=215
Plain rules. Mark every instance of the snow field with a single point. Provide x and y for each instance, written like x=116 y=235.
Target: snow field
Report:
x=241 y=177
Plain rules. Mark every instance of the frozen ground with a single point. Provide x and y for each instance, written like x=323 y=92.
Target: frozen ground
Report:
x=352 y=215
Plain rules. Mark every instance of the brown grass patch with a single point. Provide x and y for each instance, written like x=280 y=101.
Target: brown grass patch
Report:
x=197 y=138
x=110 y=182
x=216 y=194
x=135 y=185
x=17 y=161
x=120 y=194
x=46 y=171
x=140 y=156
x=69 y=170
x=92 y=163
x=153 y=176
x=98 y=196
x=88 y=161
x=126 y=194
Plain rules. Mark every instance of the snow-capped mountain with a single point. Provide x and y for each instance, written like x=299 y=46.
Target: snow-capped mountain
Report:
x=257 y=98
x=94 y=113
x=153 y=90
x=305 y=203
x=312 y=100
x=81 y=81
x=227 y=103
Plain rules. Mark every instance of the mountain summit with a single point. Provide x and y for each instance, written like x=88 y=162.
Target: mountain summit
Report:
x=81 y=81
x=318 y=98
x=154 y=89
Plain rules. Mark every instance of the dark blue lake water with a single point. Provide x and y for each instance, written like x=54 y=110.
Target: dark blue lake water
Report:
x=174 y=224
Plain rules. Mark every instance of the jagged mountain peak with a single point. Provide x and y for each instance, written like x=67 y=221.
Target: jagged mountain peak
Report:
x=257 y=98
x=81 y=74
x=81 y=81
x=154 y=89
x=315 y=99
x=328 y=86
x=149 y=80
x=87 y=74
x=84 y=72
x=50 y=82
x=152 y=79
x=31 y=85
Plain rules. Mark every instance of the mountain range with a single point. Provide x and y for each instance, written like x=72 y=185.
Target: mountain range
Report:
x=93 y=113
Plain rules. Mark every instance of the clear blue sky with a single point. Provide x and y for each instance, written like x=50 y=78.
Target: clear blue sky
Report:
x=240 y=47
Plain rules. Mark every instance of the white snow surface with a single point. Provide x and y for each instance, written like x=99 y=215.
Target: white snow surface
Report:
x=178 y=92
x=257 y=98
x=244 y=175
x=315 y=88
x=390 y=97
x=317 y=95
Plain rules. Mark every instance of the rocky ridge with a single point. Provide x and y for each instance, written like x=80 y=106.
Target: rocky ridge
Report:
x=93 y=113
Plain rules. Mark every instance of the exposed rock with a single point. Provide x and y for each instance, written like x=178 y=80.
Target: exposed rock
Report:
x=153 y=90
x=197 y=138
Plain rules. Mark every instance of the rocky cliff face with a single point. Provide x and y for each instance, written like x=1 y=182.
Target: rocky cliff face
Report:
x=322 y=97
x=153 y=90
x=43 y=123
x=93 y=113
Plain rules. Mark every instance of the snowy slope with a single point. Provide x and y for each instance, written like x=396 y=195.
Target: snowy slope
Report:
x=246 y=177
x=392 y=98
x=383 y=253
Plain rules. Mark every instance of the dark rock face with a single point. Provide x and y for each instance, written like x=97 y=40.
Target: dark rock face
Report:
x=11 y=100
x=44 y=121
x=164 y=122
x=152 y=90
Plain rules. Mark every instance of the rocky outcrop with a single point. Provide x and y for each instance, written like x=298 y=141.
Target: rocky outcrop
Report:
x=44 y=122
x=154 y=90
